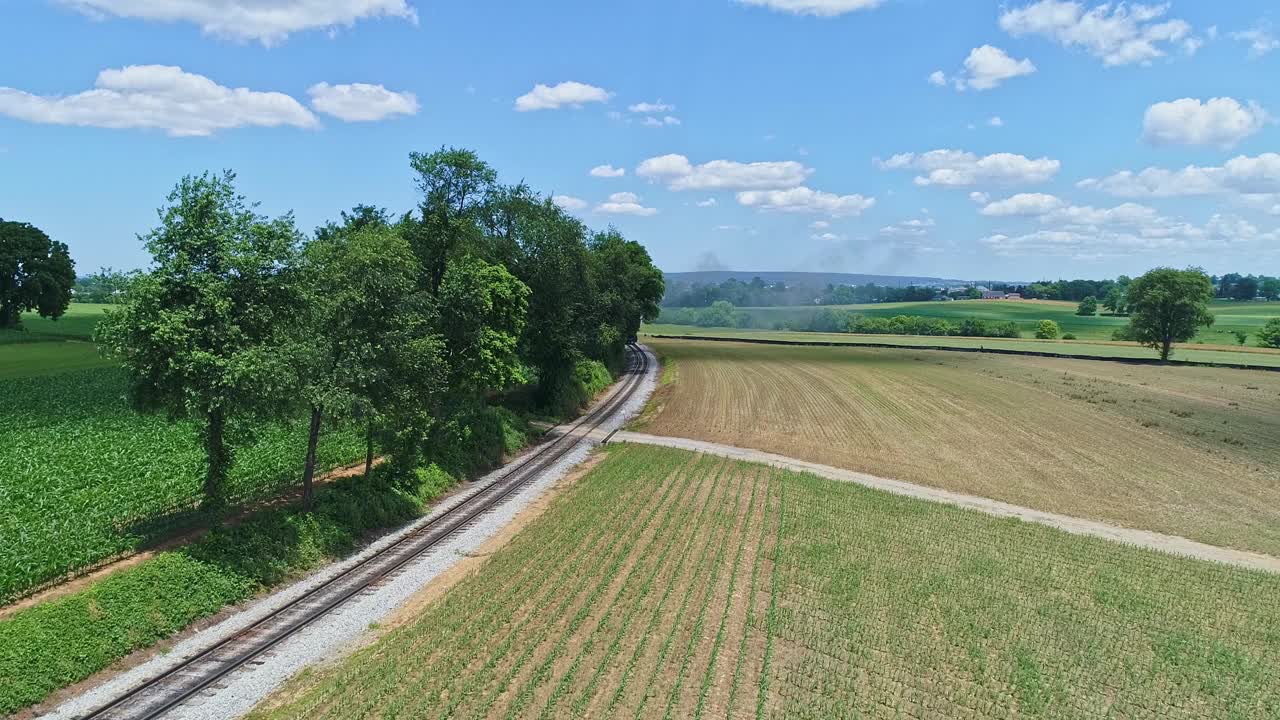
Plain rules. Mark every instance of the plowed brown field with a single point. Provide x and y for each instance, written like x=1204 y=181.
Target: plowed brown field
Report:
x=1186 y=451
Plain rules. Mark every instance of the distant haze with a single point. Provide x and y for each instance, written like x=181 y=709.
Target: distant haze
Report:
x=813 y=279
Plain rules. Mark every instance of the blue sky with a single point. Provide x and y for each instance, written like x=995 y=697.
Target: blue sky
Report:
x=1011 y=139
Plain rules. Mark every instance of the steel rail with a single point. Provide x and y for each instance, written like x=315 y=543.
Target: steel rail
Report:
x=259 y=638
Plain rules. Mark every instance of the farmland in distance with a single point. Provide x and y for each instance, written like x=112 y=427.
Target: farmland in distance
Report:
x=1184 y=451
x=669 y=584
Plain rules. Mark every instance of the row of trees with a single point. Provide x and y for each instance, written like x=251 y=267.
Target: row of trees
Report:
x=407 y=325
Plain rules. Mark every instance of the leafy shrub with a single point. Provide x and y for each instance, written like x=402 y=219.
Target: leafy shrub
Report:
x=1269 y=335
x=1048 y=330
x=1068 y=336
x=476 y=439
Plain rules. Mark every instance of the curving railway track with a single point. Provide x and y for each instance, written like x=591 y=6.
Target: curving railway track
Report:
x=204 y=669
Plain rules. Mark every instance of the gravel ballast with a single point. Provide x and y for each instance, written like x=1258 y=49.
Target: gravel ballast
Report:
x=236 y=694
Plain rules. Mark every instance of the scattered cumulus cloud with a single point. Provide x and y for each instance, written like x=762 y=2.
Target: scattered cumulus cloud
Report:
x=251 y=20
x=549 y=97
x=665 y=121
x=360 y=102
x=820 y=8
x=653 y=108
x=568 y=202
x=1116 y=33
x=624 y=203
x=680 y=174
x=939 y=78
x=826 y=237
x=957 y=168
x=980 y=197
x=803 y=199
x=709 y=202
x=989 y=66
x=819 y=225
x=916 y=227
x=1253 y=181
x=607 y=171
x=1260 y=41
x=1022 y=204
x=1220 y=122
x=159 y=97
x=995 y=121
x=1127 y=236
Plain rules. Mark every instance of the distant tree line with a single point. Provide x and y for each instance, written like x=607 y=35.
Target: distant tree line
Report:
x=408 y=327
x=1108 y=293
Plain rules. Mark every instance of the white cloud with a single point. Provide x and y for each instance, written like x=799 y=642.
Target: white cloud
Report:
x=573 y=94
x=1022 y=204
x=709 y=202
x=988 y=66
x=939 y=78
x=1128 y=214
x=820 y=8
x=956 y=168
x=803 y=199
x=995 y=121
x=266 y=22
x=1222 y=122
x=917 y=227
x=660 y=122
x=1117 y=33
x=607 y=171
x=360 y=102
x=161 y=97
x=1154 y=235
x=653 y=108
x=568 y=202
x=826 y=237
x=624 y=203
x=1260 y=41
x=680 y=174
x=980 y=197
x=1241 y=175
x=819 y=225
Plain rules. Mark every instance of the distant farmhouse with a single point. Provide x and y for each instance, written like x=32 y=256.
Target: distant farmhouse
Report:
x=993 y=295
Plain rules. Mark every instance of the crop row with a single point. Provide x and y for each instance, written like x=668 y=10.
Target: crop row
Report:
x=666 y=584
x=85 y=478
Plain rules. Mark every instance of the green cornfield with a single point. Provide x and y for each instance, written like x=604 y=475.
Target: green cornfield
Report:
x=83 y=477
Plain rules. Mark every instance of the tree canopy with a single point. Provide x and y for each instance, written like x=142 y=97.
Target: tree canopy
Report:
x=201 y=333
x=36 y=274
x=1168 y=306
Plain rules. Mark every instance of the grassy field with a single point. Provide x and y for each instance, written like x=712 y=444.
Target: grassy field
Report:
x=666 y=584
x=86 y=478
x=77 y=323
x=1225 y=354
x=1245 y=316
x=1185 y=451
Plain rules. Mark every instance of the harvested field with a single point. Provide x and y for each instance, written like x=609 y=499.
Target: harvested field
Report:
x=671 y=584
x=1183 y=451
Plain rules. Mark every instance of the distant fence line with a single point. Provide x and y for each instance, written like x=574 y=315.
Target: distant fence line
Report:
x=953 y=348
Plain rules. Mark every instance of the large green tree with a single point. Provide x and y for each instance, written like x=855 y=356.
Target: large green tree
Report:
x=36 y=274
x=1167 y=306
x=629 y=291
x=203 y=334
x=363 y=322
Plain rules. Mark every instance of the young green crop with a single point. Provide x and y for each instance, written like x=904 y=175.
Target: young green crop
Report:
x=831 y=599
x=87 y=478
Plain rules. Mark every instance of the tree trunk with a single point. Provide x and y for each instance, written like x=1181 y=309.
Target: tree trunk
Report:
x=308 y=471
x=218 y=457
x=368 y=452
x=1166 y=348
x=8 y=316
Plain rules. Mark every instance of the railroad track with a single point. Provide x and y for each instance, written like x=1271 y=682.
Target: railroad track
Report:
x=159 y=694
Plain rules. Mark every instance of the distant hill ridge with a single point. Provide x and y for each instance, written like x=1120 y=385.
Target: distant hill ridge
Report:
x=810 y=279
